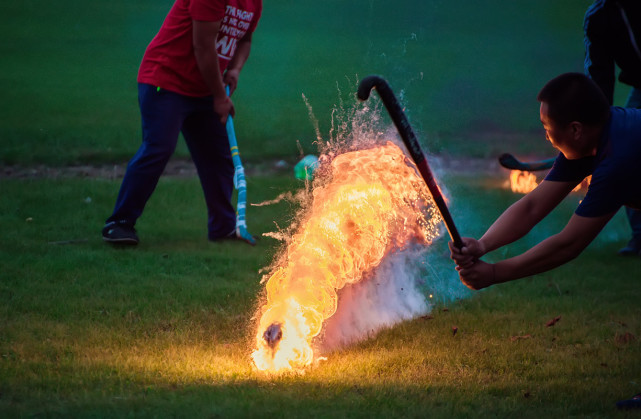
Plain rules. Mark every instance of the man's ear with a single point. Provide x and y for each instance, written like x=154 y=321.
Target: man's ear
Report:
x=577 y=129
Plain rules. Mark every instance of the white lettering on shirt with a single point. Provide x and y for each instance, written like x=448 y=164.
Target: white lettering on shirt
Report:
x=234 y=26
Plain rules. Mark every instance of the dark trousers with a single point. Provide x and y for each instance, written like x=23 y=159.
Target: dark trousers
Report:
x=634 y=216
x=164 y=115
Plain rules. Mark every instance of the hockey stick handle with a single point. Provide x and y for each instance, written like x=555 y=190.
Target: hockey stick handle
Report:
x=409 y=139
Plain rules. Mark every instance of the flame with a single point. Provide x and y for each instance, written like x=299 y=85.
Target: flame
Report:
x=525 y=182
x=373 y=203
x=522 y=182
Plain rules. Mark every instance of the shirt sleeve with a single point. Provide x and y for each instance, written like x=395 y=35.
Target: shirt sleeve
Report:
x=207 y=10
x=257 y=14
x=603 y=197
x=565 y=170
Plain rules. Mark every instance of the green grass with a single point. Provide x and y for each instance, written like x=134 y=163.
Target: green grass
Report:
x=164 y=329
x=467 y=72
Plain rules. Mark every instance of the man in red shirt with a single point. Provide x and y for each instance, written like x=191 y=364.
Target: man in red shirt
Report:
x=200 y=48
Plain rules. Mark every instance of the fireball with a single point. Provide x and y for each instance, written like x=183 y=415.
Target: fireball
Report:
x=371 y=203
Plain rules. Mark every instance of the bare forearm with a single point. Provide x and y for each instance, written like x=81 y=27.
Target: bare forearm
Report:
x=513 y=224
x=553 y=251
x=524 y=214
x=204 y=41
x=240 y=56
x=549 y=254
x=207 y=60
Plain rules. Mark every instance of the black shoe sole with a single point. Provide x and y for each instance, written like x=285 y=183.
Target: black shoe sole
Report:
x=130 y=242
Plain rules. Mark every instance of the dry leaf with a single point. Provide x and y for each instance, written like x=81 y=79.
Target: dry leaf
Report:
x=553 y=321
x=427 y=317
x=624 y=339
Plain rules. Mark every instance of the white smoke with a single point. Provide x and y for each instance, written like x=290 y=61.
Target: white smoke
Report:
x=390 y=295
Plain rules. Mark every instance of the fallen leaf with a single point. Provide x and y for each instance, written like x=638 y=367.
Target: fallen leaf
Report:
x=427 y=317
x=625 y=338
x=553 y=321
x=515 y=338
x=454 y=330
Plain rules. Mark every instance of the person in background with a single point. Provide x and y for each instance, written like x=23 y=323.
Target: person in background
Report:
x=200 y=49
x=612 y=35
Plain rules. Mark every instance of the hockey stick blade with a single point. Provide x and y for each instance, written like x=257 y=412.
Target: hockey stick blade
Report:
x=508 y=161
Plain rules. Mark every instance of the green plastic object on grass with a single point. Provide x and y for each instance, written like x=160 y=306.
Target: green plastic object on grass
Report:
x=305 y=168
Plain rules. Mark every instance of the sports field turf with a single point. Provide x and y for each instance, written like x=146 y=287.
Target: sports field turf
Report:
x=164 y=329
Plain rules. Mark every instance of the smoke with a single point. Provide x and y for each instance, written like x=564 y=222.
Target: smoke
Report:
x=406 y=285
x=390 y=295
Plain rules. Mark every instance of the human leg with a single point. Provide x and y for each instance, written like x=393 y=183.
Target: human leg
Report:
x=633 y=248
x=634 y=99
x=162 y=115
x=207 y=141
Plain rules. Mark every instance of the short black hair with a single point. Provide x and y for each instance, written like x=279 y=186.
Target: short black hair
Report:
x=575 y=97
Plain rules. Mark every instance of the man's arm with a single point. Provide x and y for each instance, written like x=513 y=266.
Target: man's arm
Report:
x=204 y=40
x=237 y=62
x=549 y=254
x=514 y=223
x=524 y=214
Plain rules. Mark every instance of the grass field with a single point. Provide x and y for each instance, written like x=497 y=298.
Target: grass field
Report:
x=165 y=329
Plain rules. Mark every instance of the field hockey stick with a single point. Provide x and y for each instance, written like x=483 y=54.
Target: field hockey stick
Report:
x=239 y=183
x=510 y=162
x=409 y=138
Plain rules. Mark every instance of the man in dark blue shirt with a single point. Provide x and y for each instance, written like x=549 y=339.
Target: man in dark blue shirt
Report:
x=593 y=138
x=616 y=175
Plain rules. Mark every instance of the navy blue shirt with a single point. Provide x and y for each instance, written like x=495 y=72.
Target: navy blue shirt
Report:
x=615 y=170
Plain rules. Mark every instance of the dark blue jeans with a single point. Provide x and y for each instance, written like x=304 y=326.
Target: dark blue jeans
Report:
x=164 y=115
x=634 y=216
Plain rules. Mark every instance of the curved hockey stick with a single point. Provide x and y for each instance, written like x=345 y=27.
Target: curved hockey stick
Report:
x=239 y=183
x=510 y=162
x=409 y=138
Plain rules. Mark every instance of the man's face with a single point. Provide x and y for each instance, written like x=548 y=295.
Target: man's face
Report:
x=561 y=138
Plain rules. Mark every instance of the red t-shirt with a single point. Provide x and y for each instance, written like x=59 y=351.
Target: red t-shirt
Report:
x=169 y=61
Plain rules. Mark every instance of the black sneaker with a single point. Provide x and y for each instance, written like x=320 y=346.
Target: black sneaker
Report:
x=633 y=248
x=117 y=233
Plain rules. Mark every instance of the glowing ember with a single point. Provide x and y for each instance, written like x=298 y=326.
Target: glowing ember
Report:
x=372 y=203
x=525 y=182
